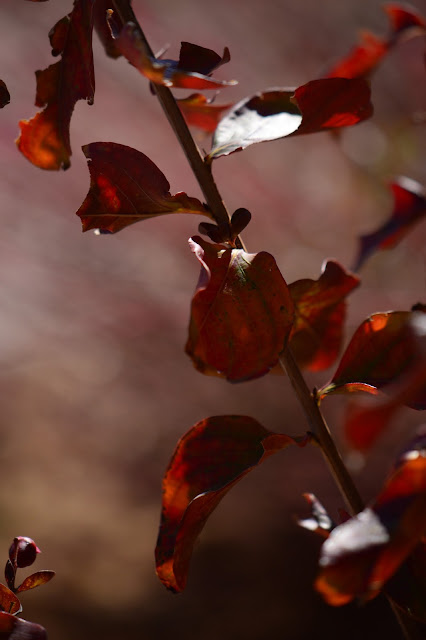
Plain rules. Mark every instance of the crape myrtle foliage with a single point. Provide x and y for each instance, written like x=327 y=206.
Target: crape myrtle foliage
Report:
x=243 y=314
x=22 y=553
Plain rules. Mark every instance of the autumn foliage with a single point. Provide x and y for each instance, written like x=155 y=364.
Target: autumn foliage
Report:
x=245 y=320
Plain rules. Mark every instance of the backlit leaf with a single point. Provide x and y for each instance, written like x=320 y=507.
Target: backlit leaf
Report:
x=409 y=207
x=169 y=72
x=383 y=349
x=36 y=580
x=4 y=95
x=9 y=602
x=316 y=106
x=404 y=18
x=319 y=521
x=320 y=311
x=241 y=313
x=208 y=461
x=45 y=139
x=201 y=112
x=362 y=554
x=18 y=629
x=125 y=187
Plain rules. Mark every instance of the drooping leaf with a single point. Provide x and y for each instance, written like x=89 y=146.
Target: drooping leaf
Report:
x=102 y=22
x=125 y=187
x=8 y=601
x=45 y=139
x=208 y=461
x=319 y=521
x=14 y=628
x=169 y=72
x=320 y=311
x=316 y=106
x=362 y=554
x=201 y=112
x=383 y=349
x=36 y=580
x=4 y=95
x=409 y=207
x=241 y=313
x=363 y=59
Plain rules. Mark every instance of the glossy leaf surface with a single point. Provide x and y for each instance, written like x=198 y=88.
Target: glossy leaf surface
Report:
x=320 y=310
x=9 y=602
x=408 y=208
x=362 y=554
x=209 y=459
x=383 y=349
x=169 y=72
x=4 y=95
x=45 y=139
x=316 y=106
x=201 y=112
x=125 y=187
x=36 y=580
x=14 y=628
x=241 y=313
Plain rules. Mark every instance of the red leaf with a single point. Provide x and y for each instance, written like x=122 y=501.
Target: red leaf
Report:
x=319 y=522
x=4 y=95
x=18 y=629
x=200 y=112
x=125 y=187
x=317 y=106
x=362 y=59
x=192 y=57
x=166 y=72
x=45 y=139
x=35 y=580
x=210 y=459
x=403 y=18
x=383 y=349
x=362 y=554
x=102 y=26
x=320 y=308
x=409 y=207
x=241 y=314
x=8 y=601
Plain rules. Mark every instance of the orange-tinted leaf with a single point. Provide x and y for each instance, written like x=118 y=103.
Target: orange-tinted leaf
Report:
x=18 y=629
x=8 y=601
x=168 y=72
x=4 y=95
x=320 y=310
x=36 y=580
x=318 y=105
x=403 y=18
x=362 y=59
x=102 y=26
x=408 y=208
x=362 y=554
x=319 y=521
x=200 y=112
x=209 y=459
x=125 y=187
x=241 y=313
x=383 y=349
x=45 y=139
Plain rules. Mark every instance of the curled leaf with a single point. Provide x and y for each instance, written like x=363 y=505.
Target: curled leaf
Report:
x=102 y=22
x=208 y=461
x=409 y=207
x=125 y=187
x=316 y=106
x=320 y=311
x=200 y=112
x=169 y=72
x=362 y=554
x=241 y=313
x=45 y=139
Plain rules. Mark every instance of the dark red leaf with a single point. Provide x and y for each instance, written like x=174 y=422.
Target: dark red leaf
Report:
x=45 y=139
x=14 y=628
x=192 y=57
x=8 y=601
x=383 y=350
x=125 y=187
x=320 y=311
x=239 y=221
x=319 y=521
x=210 y=459
x=317 y=106
x=4 y=95
x=241 y=313
x=102 y=26
x=36 y=580
x=164 y=72
x=362 y=554
x=408 y=586
x=200 y=112
x=409 y=207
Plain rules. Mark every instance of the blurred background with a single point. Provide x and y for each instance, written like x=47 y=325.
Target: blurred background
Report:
x=95 y=389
